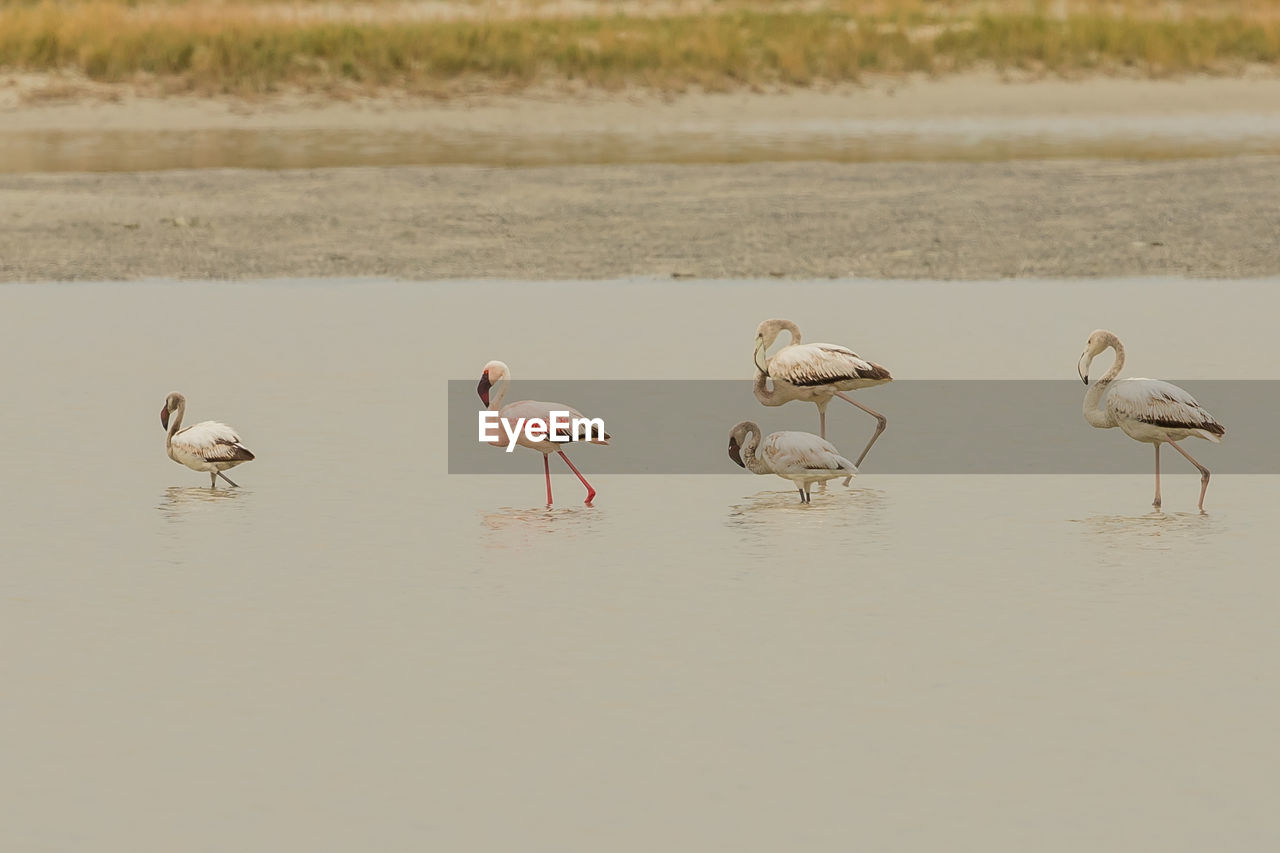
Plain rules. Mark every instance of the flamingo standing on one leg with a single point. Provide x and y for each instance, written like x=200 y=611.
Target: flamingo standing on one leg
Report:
x=207 y=446
x=815 y=373
x=497 y=374
x=801 y=457
x=1145 y=409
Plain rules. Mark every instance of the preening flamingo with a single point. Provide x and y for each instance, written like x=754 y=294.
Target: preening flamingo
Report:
x=1145 y=409
x=815 y=373
x=801 y=457
x=496 y=374
x=207 y=446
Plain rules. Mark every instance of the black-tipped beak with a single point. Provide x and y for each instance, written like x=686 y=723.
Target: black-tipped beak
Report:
x=164 y=416
x=483 y=388
x=733 y=452
x=1084 y=379
x=756 y=357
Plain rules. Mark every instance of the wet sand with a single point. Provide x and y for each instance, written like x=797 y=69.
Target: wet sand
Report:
x=936 y=220
x=1121 y=215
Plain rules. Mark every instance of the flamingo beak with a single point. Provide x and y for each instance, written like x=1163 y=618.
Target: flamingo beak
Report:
x=164 y=416
x=733 y=452
x=758 y=358
x=1082 y=367
x=483 y=388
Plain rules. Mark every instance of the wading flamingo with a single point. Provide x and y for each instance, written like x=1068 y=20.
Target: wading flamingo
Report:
x=801 y=457
x=207 y=446
x=815 y=373
x=496 y=374
x=1145 y=409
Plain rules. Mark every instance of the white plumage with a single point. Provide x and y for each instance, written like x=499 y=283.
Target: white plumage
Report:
x=1152 y=410
x=801 y=457
x=813 y=373
x=1146 y=410
x=497 y=374
x=809 y=367
x=209 y=446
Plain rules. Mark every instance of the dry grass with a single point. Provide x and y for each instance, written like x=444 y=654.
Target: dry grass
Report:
x=248 y=47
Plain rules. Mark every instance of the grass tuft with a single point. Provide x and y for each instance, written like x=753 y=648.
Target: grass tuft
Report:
x=238 y=48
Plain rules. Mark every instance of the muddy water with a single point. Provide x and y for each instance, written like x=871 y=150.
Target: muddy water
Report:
x=839 y=140
x=358 y=651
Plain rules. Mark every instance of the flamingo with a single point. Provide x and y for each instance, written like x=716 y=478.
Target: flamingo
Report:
x=207 y=446
x=1146 y=410
x=815 y=373
x=497 y=374
x=801 y=457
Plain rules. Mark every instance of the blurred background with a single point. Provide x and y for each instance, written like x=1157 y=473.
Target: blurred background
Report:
x=710 y=137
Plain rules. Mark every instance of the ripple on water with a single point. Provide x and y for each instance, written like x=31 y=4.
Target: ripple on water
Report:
x=1154 y=531
x=512 y=528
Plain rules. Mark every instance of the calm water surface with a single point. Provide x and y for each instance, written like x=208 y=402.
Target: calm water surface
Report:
x=356 y=651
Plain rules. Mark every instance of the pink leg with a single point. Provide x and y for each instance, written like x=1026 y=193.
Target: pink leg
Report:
x=822 y=420
x=546 y=471
x=1204 y=473
x=1156 y=503
x=881 y=423
x=591 y=493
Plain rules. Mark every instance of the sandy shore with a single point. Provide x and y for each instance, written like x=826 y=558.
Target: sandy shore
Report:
x=1202 y=217
x=1071 y=218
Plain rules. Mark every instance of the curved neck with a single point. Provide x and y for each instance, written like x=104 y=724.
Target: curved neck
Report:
x=780 y=327
x=763 y=392
x=754 y=464
x=175 y=423
x=1116 y=366
x=1094 y=413
x=794 y=330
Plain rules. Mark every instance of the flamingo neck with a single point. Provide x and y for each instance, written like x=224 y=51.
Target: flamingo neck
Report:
x=1094 y=412
x=793 y=330
x=175 y=423
x=782 y=326
x=754 y=464
x=1117 y=365
x=763 y=392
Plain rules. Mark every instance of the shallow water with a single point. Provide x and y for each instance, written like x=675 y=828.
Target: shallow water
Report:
x=357 y=651
x=837 y=140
